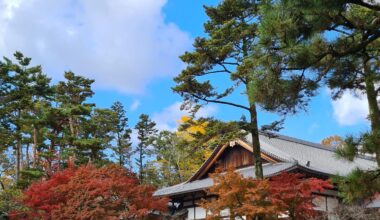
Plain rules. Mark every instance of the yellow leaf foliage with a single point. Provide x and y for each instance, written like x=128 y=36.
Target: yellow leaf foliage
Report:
x=333 y=141
x=192 y=127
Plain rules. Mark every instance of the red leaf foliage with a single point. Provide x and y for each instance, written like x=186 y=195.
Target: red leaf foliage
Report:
x=294 y=196
x=288 y=194
x=88 y=192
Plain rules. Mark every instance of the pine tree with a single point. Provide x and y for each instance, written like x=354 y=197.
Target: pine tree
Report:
x=347 y=58
x=122 y=134
x=339 y=42
x=146 y=133
x=95 y=136
x=21 y=87
x=231 y=53
x=71 y=96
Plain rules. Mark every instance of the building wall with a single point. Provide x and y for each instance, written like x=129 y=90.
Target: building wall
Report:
x=233 y=157
x=323 y=203
x=196 y=213
x=200 y=213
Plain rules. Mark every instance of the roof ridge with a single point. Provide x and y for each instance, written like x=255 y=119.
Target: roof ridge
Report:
x=297 y=140
x=307 y=143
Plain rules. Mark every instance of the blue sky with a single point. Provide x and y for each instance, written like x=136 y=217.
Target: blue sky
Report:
x=131 y=49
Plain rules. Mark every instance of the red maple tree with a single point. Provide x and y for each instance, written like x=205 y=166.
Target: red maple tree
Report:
x=293 y=194
x=87 y=192
x=240 y=196
x=288 y=194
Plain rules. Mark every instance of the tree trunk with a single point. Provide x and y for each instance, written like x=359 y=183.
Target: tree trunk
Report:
x=18 y=159
x=22 y=162
x=71 y=124
x=35 y=156
x=178 y=171
x=27 y=160
x=374 y=112
x=2 y=185
x=120 y=147
x=250 y=87
x=255 y=142
x=141 y=165
x=51 y=156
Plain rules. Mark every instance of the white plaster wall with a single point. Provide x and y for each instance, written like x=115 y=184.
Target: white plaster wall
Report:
x=200 y=213
x=325 y=204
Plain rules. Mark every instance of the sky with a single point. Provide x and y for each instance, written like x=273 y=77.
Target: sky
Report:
x=131 y=49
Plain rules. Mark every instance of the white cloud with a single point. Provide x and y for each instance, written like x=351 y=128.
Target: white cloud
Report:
x=122 y=44
x=350 y=109
x=168 y=118
x=135 y=104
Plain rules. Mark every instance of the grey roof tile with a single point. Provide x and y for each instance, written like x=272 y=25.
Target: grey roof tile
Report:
x=292 y=152
x=320 y=158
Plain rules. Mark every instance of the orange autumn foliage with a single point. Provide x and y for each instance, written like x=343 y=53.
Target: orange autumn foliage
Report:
x=242 y=196
x=287 y=194
x=87 y=192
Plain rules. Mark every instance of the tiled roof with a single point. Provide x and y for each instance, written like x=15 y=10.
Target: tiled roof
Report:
x=198 y=185
x=292 y=152
x=319 y=157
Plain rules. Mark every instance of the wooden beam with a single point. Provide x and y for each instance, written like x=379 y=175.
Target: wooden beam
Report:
x=203 y=170
x=250 y=149
x=214 y=157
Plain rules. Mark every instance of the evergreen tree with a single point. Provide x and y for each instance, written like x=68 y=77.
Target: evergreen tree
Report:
x=72 y=109
x=339 y=42
x=146 y=133
x=95 y=136
x=122 y=135
x=21 y=87
x=72 y=95
x=39 y=127
x=231 y=51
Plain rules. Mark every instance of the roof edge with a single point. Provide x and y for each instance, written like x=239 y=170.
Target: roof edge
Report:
x=308 y=143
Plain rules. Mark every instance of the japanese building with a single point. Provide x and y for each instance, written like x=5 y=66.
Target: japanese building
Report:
x=279 y=154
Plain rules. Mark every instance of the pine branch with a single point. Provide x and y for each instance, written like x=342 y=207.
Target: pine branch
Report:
x=220 y=102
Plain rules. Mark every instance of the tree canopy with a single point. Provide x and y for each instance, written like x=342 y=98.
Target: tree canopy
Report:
x=88 y=192
x=231 y=52
x=287 y=194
